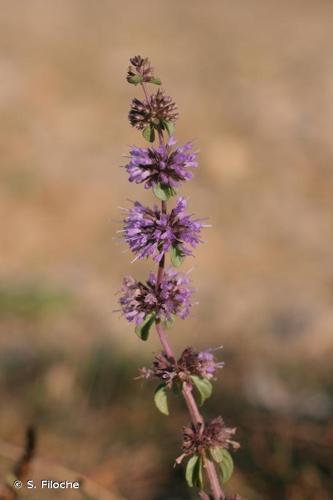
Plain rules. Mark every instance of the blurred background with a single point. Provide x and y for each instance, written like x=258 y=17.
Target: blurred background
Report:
x=254 y=86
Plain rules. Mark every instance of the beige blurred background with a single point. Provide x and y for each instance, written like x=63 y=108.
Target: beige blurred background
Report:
x=254 y=85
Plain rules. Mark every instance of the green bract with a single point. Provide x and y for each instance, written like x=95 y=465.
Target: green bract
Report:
x=135 y=79
x=155 y=80
x=216 y=453
x=169 y=127
x=169 y=322
x=161 y=400
x=193 y=472
x=149 y=133
x=203 y=386
x=176 y=256
x=225 y=466
x=142 y=330
x=163 y=192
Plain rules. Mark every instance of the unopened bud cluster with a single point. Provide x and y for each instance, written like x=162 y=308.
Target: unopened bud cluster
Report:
x=214 y=434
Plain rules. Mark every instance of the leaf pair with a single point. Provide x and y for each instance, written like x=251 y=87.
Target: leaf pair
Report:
x=149 y=131
x=221 y=456
x=202 y=385
x=136 y=79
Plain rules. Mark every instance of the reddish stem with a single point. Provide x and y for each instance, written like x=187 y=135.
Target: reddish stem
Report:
x=145 y=92
x=164 y=341
x=196 y=417
x=203 y=495
x=160 y=271
x=213 y=479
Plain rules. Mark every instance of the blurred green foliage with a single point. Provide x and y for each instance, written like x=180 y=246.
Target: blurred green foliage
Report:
x=31 y=301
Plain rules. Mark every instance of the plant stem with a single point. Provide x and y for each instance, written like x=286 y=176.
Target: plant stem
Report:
x=196 y=417
x=160 y=272
x=164 y=341
x=213 y=479
x=144 y=88
x=203 y=495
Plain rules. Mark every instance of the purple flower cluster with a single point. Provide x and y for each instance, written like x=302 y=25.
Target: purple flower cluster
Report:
x=164 y=165
x=151 y=232
x=171 y=298
x=159 y=109
x=214 y=434
x=191 y=362
x=201 y=363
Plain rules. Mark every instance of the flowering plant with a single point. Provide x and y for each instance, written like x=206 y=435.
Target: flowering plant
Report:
x=157 y=232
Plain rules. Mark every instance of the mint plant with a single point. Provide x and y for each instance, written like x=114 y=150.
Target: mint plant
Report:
x=162 y=233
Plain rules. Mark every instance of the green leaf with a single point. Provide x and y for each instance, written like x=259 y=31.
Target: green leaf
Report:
x=169 y=126
x=193 y=472
x=216 y=453
x=149 y=133
x=190 y=470
x=198 y=476
x=161 y=399
x=135 y=79
x=155 y=80
x=169 y=322
x=142 y=330
x=163 y=192
x=225 y=466
x=176 y=256
x=203 y=386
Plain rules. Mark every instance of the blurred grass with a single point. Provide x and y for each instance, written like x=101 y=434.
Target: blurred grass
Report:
x=31 y=301
x=110 y=414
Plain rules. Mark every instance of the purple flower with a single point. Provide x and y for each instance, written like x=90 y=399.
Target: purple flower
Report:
x=151 y=232
x=207 y=363
x=202 y=363
x=164 y=165
x=171 y=298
